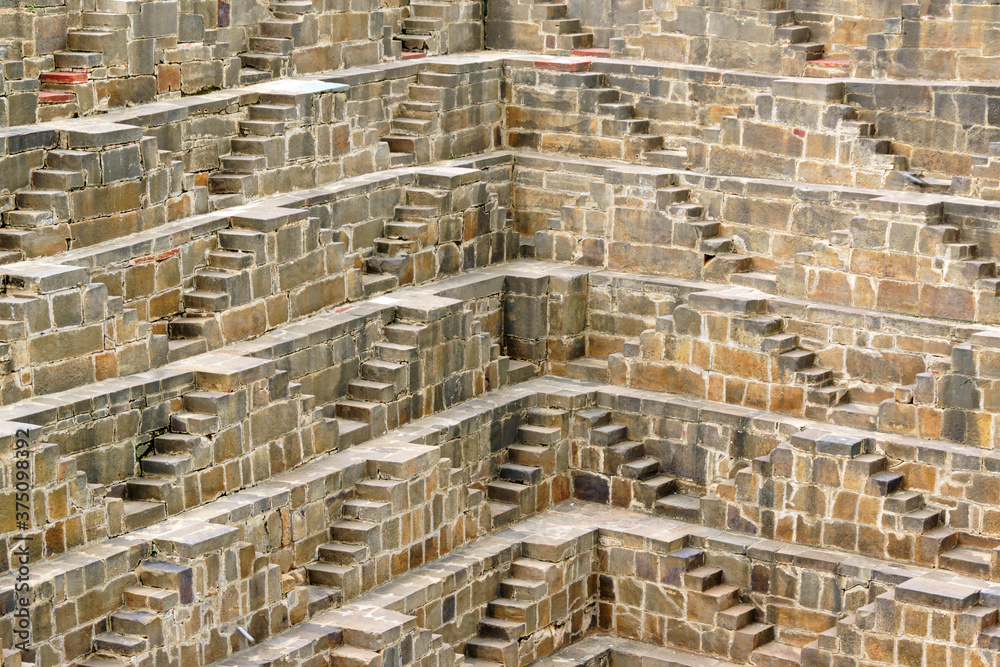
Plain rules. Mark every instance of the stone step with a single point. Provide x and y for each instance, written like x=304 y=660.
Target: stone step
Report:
x=681 y=507
x=561 y=26
x=765 y=281
x=570 y=41
x=123 y=645
x=422 y=26
x=506 y=492
x=230 y=260
x=587 y=368
x=520 y=371
x=322 y=598
x=902 y=502
x=608 y=435
x=138 y=623
x=184 y=348
x=416 y=213
x=204 y=301
x=494 y=650
x=737 y=617
x=243 y=164
x=528 y=590
x=670 y=159
x=520 y=474
x=500 y=628
x=703 y=578
x=537 y=456
x=967 y=560
x=248 y=77
x=154 y=599
x=412 y=126
x=53 y=179
x=141 y=513
x=262 y=128
x=402 y=159
x=148 y=489
x=330 y=575
x=855 y=415
x=343 y=554
x=511 y=610
x=643 y=468
x=352 y=531
x=373 y=284
x=360 y=411
x=648 y=491
x=271 y=45
x=77 y=59
x=371 y=391
x=777 y=654
x=367 y=510
x=921 y=521
x=885 y=483
x=389 y=372
x=619 y=454
x=502 y=514
x=239 y=184
x=166 y=465
x=351 y=432
x=196 y=447
x=395 y=352
x=530 y=434
x=292 y=7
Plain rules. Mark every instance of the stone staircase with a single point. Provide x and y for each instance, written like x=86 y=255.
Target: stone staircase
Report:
x=513 y=494
x=138 y=629
x=419 y=117
x=293 y=25
x=825 y=398
x=356 y=539
x=186 y=448
x=46 y=202
x=562 y=35
x=622 y=457
x=260 y=146
x=714 y=603
x=513 y=615
x=424 y=29
x=384 y=379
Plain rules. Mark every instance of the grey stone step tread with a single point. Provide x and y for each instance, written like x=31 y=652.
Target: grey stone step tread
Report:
x=97 y=662
x=139 y=506
x=681 y=501
x=500 y=508
x=779 y=654
x=967 y=554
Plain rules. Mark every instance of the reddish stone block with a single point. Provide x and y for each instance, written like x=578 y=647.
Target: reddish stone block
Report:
x=592 y=53
x=53 y=97
x=65 y=77
x=563 y=65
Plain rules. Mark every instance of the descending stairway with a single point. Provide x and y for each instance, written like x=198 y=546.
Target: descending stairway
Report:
x=261 y=145
x=159 y=492
x=383 y=379
x=294 y=24
x=419 y=117
x=825 y=398
x=224 y=283
x=511 y=616
x=512 y=495
x=561 y=34
x=424 y=29
x=136 y=630
x=713 y=602
x=627 y=458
